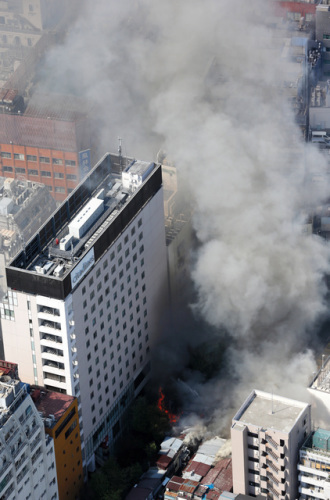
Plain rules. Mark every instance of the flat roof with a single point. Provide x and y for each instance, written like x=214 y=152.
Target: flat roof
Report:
x=269 y=411
x=51 y=402
x=43 y=267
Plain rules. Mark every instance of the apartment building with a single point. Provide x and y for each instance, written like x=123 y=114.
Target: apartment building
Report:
x=60 y=416
x=27 y=459
x=86 y=295
x=267 y=432
x=314 y=466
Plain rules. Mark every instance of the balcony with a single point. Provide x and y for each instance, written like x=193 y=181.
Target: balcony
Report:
x=310 y=481
x=50 y=354
x=5 y=467
x=54 y=367
x=51 y=340
x=49 y=327
x=19 y=449
x=312 y=492
x=51 y=383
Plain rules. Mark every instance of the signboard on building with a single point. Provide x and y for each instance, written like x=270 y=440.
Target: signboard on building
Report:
x=82 y=268
x=85 y=162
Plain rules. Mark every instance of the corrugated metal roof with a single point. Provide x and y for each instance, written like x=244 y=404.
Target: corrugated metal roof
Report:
x=163 y=461
x=188 y=486
x=201 y=469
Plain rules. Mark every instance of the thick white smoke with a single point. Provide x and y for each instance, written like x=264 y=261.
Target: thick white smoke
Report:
x=202 y=80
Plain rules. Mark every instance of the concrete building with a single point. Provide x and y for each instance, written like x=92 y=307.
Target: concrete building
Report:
x=81 y=312
x=60 y=416
x=267 y=432
x=24 y=207
x=314 y=466
x=322 y=32
x=320 y=391
x=23 y=25
x=27 y=459
x=45 y=143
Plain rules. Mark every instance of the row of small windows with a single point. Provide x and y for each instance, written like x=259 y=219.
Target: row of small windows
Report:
x=43 y=173
x=42 y=159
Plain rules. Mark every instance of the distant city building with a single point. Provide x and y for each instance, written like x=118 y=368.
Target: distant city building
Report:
x=314 y=466
x=26 y=29
x=86 y=295
x=297 y=9
x=60 y=416
x=267 y=432
x=46 y=143
x=24 y=207
x=27 y=458
x=322 y=32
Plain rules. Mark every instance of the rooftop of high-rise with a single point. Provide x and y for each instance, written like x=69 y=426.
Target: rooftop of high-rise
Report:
x=270 y=411
x=84 y=226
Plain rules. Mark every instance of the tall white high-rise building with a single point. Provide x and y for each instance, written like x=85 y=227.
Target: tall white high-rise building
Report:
x=267 y=432
x=85 y=295
x=27 y=458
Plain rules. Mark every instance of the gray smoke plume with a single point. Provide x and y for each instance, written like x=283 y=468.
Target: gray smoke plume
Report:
x=203 y=80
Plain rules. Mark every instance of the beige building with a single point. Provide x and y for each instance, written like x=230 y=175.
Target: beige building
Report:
x=267 y=432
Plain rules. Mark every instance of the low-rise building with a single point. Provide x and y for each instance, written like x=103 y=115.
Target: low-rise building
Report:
x=60 y=416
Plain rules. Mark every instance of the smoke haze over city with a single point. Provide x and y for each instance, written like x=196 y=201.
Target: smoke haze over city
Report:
x=202 y=80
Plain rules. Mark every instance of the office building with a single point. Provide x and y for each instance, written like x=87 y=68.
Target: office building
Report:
x=27 y=459
x=60 y=416
x=267 y=432
x=314 y=466
x=46 y=143
x=86 y=294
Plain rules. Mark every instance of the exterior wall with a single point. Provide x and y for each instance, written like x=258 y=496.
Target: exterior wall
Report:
x=240 y=459
x=323 y=34
x=67 y=444
x=27 y=462
x=97 y=342
x=60 y=173
x=116 y=313
x=314 y=468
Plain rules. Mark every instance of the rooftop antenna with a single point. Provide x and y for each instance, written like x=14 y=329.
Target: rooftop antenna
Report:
x=272 y=402
x=120 y=156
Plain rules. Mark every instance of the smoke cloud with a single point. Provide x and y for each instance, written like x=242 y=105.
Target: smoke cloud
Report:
x=203 y=81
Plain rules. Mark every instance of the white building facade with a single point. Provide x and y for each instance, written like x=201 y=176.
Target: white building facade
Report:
x=267 y=433
x=27 y=458
x=314 y=466
x=82 y=320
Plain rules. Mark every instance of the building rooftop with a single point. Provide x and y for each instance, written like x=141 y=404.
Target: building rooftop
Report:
x=269 y=411
x=82 y=228
x=318 y=441
x=321 y=382
x=50 y=403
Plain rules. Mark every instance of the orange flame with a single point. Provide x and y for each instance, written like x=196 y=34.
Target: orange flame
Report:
x=161 y=405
